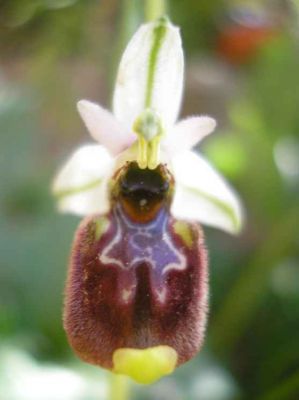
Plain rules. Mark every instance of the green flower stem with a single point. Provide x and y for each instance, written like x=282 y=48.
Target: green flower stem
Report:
x=119 y=387
x=154 y=9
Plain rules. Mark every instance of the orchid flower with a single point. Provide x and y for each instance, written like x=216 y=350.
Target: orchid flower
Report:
x=143 y=192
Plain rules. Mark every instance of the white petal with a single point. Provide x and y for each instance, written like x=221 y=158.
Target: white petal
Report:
x=187 y=133
x=144 y=81
x=104 y=128
x=81 y=184
x=203 y=195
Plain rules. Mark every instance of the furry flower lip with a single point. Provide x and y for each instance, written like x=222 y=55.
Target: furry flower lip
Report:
x=136 y=293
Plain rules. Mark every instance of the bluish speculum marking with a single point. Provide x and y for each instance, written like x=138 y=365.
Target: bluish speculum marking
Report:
x=137 y=244
x=144 y=243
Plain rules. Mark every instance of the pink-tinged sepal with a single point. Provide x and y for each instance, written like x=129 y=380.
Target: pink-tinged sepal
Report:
x=136 y=284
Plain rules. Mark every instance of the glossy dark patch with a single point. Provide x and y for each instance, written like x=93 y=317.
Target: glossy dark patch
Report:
x=152 y=182
x=143 y=191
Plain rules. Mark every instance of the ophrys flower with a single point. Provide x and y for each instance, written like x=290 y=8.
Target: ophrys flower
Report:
x=137 y=281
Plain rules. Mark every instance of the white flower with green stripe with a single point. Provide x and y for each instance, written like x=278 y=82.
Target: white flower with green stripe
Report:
x=143 y=127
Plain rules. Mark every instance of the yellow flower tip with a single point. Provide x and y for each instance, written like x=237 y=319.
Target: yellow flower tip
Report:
x=154 y=150
x=145 y=365
x=142 y=153
x=141 y=164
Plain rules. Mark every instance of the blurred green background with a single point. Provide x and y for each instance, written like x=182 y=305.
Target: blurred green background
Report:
x=242 y=67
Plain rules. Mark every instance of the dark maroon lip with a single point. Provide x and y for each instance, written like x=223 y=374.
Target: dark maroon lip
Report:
x=135 y=286
x=137 y=276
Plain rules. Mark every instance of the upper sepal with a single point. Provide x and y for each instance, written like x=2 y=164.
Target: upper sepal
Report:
x=150 y=74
